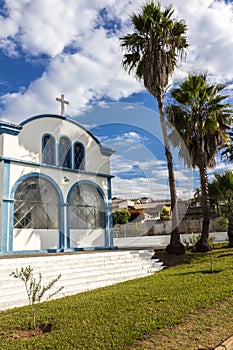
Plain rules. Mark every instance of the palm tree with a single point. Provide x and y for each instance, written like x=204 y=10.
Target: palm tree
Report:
x=151 y=53
x=203 y=120
x=221 y=191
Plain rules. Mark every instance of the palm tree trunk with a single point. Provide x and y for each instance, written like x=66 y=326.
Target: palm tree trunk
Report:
x=175 y=246
x=230 y=229
x=203 y=244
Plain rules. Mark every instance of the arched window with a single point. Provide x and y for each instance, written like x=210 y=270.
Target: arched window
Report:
x=36 y=205
x=79 y=154
x=64 y=152
x=86 y=208
x=48 y=150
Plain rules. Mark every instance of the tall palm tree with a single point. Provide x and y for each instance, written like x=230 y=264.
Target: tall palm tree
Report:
x=203 y=120
x=221 y=190
x=151 y=53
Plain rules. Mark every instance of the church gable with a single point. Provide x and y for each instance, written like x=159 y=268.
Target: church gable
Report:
x=61 y=142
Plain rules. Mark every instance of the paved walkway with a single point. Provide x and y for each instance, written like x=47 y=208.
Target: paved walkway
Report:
x=161 y=241
x=227 y=344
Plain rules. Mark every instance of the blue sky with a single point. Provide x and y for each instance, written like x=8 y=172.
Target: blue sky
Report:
x=72 y=47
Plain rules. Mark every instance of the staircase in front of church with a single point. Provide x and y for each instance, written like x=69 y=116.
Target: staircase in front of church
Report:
x=79 y=272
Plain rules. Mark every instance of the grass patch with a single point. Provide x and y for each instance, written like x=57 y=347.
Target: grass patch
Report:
x=203 y=329
x=115 y=317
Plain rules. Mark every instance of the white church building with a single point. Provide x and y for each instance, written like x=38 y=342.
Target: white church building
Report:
x=55 y=187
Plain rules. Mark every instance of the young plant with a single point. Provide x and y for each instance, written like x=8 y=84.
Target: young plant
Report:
x=193 y=241
x=34 y=289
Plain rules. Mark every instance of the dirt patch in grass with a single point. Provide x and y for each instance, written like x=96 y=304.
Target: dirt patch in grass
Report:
x=202 y=330
x=26 y=334
x=30 y=333
x=172 y=259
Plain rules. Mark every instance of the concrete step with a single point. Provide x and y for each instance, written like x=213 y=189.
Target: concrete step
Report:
x=68 y=279
x=84 y=273
x=72 y=264
x=79 y=272
x=77 y=269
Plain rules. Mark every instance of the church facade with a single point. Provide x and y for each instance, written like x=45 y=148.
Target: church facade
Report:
x=55 y=187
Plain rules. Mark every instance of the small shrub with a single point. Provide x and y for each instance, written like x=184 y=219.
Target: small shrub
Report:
x=211 y=241
x=34 y=289
x=193 y=240
x=191 y=243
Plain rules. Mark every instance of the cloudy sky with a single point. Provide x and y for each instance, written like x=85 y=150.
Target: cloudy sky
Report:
x=49 y=47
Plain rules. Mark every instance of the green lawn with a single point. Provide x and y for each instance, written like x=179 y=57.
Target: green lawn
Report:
x=115 y=317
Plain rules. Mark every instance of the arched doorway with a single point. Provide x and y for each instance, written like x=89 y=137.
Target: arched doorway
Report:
x=87 y=217
x=37 y=215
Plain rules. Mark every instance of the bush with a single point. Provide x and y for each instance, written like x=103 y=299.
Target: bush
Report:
x=121 y=216
x=34 y=289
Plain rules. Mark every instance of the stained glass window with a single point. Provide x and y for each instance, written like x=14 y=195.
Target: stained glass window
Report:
x=86 y=208
x=36 y=205
x=48 y=150
x=79 y=156
x=65 y=152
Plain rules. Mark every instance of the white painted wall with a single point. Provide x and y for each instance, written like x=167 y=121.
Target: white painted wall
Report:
x=1 y=143
x=27 y=147
x=87 y=238
x=1 y=197
x=35 y=239
x=30 y=137
x=18 y=170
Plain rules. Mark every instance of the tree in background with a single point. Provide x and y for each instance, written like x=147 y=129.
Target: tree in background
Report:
x=165 y=214
x=121 y=216
x=151 y=53
x=203 y=121
x=227 y=149
x=221 y=194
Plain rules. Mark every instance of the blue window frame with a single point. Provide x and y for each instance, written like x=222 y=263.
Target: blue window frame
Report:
x=48 y=150
x=36 y=204
x=79 y=154
x=64 y=152
x=86 y=206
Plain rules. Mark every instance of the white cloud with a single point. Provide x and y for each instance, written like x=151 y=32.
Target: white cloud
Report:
x=83 y=51
x=139 y=187
x=210 y=23
x=83 y=61
x=146 y=187
x=149 y=178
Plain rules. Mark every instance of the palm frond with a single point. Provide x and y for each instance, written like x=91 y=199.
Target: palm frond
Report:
x=152 y=50
x=202 y=117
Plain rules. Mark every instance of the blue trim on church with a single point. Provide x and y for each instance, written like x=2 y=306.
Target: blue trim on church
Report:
x=82 y=164
x=61 y=200
x=36 y=167
x=104 y=150
x=5 y=206
x=78 y=183
x=25 y=162
x=8 y=128
x=110 y=219
x=66 y=162
x=52 y=150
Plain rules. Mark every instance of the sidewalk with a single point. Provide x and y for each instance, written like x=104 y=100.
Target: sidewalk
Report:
x=227 y=345
x=160 y=241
